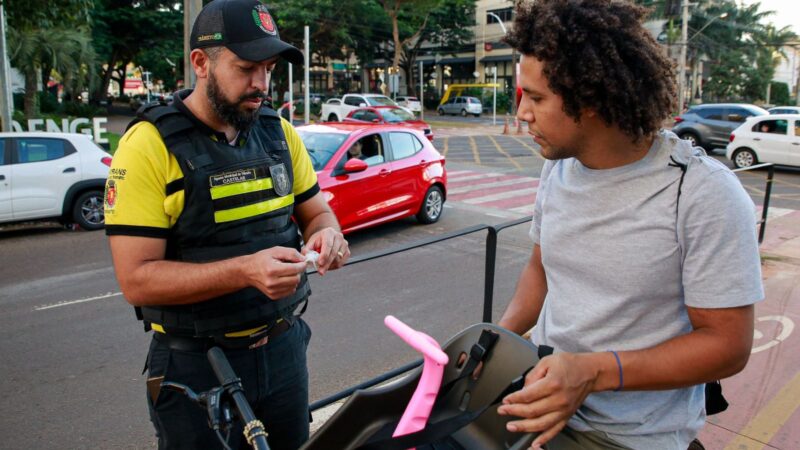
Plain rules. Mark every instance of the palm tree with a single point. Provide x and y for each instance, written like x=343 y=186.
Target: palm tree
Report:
x=34 y=50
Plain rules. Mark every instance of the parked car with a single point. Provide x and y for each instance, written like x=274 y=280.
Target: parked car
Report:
x=461 y=105
x=710 y=125
x=52 y=176
x=389 y=115
x=335 y=109
x=411 y=103
x=397 y=173
x=137 y=100
x=784 y=110
x=766 y=139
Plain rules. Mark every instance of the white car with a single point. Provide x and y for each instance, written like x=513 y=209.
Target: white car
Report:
x=785 y=110
x=336 y=109
x=58 y=176
x=461 y=105
x=411 y=103
x=766 y=139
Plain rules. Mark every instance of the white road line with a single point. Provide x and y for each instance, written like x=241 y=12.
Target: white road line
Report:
x=73 y=302
x=501 y=196
x=476 y=186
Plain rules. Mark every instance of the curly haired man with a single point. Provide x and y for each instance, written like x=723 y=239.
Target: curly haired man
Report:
x=645 y=263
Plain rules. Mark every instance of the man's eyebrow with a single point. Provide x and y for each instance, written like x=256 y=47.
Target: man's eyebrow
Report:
x=531 y=91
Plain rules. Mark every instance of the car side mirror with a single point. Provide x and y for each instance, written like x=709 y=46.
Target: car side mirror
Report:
x=354 y=165
x=376 y=120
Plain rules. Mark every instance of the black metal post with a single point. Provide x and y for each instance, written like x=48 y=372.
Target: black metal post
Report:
x=488 y=280
x=765 y=208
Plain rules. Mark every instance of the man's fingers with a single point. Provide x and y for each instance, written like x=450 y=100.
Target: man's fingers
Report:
x=538 y=424
x=286 y=254
x=548 y=434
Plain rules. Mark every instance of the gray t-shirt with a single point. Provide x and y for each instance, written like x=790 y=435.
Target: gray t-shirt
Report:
x=624 y=258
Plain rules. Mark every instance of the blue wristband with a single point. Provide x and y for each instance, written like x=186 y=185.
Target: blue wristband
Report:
x=619 y=365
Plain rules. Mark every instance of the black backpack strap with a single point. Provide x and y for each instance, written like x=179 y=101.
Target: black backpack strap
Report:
x=715 y=401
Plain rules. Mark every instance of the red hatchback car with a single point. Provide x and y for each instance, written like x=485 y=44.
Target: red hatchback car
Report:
x=376 y=173
x=389 y=115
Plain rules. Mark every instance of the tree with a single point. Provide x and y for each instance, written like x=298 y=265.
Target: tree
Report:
x=45 y=35
x=63 y=50
x=445 y=27
x=409 y=19
x=127 y=30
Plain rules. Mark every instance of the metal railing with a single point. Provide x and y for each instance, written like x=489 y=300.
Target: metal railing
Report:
x=489 y=274
x=767 y=192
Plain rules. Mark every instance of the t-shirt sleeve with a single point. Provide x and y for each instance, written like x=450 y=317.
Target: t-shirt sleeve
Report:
x=136 y=186
x=717 y=231
x=536 y=224
x=305 y=178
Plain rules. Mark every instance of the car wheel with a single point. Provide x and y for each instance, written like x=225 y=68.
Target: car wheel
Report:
x=691 y=137
x=463 y=113
x=333 y=118
x=440 y=111
x=744 y=158
x=88 y=212
x=432 y=205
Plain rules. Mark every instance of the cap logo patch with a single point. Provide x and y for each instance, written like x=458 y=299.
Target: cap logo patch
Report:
x=209 y=37
x=263 y=19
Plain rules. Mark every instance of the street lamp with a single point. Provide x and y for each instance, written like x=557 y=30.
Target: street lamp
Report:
x=513 y=57
x=721 y=16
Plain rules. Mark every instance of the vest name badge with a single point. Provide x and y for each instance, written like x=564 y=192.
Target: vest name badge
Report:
x=237 y=176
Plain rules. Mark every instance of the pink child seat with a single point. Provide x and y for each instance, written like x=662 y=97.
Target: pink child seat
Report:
x=419 y=407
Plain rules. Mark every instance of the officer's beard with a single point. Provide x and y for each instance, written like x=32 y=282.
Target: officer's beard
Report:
x=232 y=113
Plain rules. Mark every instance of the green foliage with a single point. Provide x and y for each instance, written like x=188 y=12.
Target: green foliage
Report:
x=76 y=109
x=49 y=103
x=146 y=32
x=779 y=93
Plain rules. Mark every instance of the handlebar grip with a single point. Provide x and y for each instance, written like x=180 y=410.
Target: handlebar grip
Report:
x=221 y=366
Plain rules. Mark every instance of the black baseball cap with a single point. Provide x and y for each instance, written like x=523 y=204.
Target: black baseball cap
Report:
x=244 y=27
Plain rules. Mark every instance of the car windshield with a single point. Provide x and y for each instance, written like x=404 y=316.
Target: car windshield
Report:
x=321 y=146
x=380 y=101
x=396 y=115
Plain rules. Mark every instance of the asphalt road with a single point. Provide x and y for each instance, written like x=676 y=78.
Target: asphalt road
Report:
x=72 y=351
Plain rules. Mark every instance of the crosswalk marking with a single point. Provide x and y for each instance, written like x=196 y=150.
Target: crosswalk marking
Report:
x=471 y=187
x=496 y=194
x=503 y=196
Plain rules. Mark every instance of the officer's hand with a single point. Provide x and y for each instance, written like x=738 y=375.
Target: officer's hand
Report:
x=275 y=271
x=332 y=247
x=553 y=391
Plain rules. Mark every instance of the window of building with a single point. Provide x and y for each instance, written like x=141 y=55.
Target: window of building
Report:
x=505 y=14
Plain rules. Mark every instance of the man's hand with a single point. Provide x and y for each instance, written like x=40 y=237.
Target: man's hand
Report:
x=553 y=391
x=332 y=247
x=275 y=271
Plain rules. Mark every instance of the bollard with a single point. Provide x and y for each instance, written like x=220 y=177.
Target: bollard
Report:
x=505 y=127
x=519 y=127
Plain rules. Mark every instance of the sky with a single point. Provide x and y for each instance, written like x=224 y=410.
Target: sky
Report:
x=787 y=12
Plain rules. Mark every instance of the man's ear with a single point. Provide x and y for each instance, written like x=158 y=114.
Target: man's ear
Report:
x=201 y=63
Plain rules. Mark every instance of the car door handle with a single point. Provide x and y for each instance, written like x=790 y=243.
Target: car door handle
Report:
x=756 y=139
x=383 y=172
x=793 y=143
x=69 y=170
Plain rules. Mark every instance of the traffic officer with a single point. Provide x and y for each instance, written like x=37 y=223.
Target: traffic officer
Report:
x=209 y=200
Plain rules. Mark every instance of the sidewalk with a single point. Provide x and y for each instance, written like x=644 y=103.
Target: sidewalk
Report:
x=764 y=409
